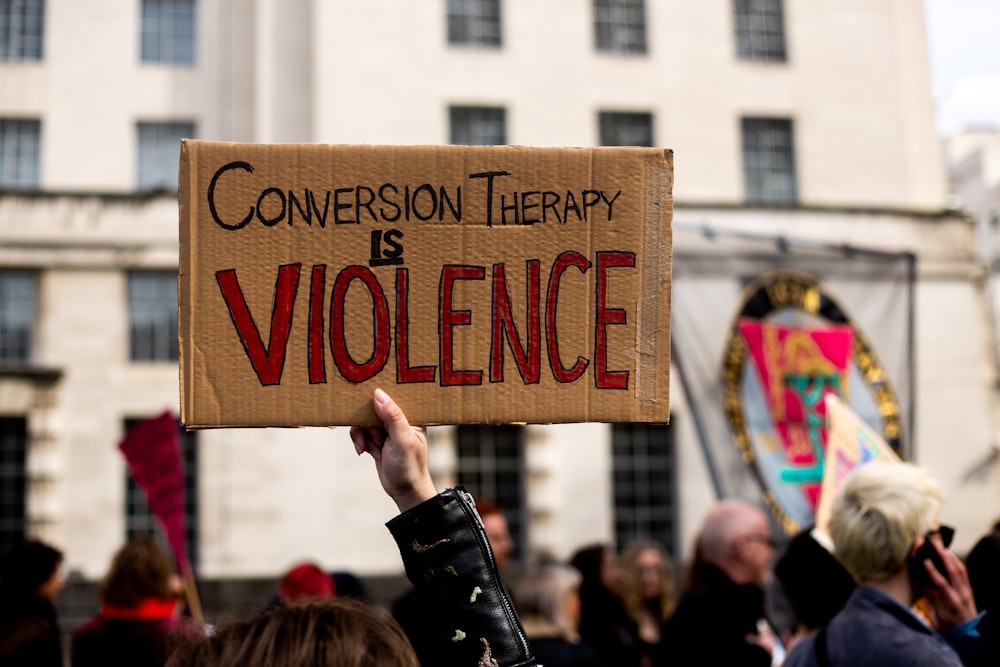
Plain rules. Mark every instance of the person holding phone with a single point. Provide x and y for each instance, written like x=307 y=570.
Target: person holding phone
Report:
x=886 y=532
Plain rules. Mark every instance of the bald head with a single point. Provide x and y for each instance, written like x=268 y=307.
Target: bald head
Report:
x=736 y=537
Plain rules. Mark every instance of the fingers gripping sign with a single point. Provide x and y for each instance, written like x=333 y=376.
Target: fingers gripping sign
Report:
x=399 y=451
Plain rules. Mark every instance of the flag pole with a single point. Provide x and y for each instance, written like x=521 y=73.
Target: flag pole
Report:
x=191 y=593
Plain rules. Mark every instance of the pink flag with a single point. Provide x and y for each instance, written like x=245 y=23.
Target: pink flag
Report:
x=152 y=452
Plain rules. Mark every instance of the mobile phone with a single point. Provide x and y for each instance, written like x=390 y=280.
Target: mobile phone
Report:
x=918 y=573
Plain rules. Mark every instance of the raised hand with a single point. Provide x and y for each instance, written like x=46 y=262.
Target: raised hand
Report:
x=951 y=598
x=400 y=453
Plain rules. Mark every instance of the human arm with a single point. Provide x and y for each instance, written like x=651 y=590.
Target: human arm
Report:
x=447 y=556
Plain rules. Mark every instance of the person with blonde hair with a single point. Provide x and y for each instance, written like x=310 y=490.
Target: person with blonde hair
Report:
x=886 y=531
x=547 y=597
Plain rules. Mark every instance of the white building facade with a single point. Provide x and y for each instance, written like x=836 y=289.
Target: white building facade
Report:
x=789 y=119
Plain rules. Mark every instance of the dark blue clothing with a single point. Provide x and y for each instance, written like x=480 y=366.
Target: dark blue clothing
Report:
x=873 y=630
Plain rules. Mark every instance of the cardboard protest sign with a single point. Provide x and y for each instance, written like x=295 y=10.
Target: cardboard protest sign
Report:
x=475 y=284
x=152 y=453
x=850 y=442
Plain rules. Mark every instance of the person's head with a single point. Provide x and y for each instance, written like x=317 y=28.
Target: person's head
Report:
x=736 y=537
x=305 y=583
x=139 y=571
x=881 y=514
x=31 y=567
x=497 y=531
x=599 y=568
x=547 y=599
x=339 y=632
x=648 y=578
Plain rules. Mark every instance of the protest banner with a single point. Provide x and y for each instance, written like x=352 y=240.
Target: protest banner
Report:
x=475 y=284
x=152 y=453
x=850 y=442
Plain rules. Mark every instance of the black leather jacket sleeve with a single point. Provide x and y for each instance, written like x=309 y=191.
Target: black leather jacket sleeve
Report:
x=471 y=619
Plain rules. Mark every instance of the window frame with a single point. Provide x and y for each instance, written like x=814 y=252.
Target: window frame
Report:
x=158 y=153
x=21 y=351
x=759 y=29
x=14 y=445
x=164 y=346
x=761 y=160
x=484 y=466
x=616 y=28
x=20 y=153
x=474 y=23
x=162 y=38
x=463 y=119
x=608 y=124
x=22 y=30
x=640 y=452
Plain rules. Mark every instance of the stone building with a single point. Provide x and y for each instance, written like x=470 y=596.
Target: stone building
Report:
x=803 y=135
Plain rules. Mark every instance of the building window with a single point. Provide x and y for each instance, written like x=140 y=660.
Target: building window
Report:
x=168 y=31
x=139 y=520
x=474 y=22
x=645 y=484
x=152 y=316
x=17 y=316
x=160 y=154
x=769 y=161
x=491 y=466
x=13 y=480
x=22 y=24
x=620 y=26
x=478 y=126
x=625 y=129
x=19 y=150
x=760 y=30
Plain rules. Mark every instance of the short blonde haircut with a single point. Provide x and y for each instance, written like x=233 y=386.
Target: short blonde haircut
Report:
x=878 y=515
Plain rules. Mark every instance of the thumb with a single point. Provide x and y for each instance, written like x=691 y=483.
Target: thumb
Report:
x=391 y=416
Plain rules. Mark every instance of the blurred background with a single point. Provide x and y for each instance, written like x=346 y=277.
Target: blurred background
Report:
x=855 y=142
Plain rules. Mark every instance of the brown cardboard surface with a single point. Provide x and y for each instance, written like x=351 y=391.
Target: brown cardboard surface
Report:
x=475 y=284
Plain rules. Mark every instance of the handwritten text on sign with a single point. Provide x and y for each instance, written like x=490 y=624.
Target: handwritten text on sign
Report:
x=439 y=288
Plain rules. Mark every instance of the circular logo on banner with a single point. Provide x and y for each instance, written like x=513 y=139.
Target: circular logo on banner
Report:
x=790 y=345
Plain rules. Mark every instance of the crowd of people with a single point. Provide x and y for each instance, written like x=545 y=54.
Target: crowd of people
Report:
x=878 y=587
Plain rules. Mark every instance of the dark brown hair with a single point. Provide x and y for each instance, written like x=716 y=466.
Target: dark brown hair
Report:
x=341 y=632
x=140 y=570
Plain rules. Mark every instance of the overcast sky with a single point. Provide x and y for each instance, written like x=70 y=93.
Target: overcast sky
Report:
x=964 y=43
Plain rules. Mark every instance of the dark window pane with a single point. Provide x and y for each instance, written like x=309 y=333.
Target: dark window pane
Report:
x=159 y=147
x=152 y=311
x=620 y=26
x=491 y=465
x=22 y=29
x=625 y=129
x=760 y=30
x=769 y=161
x=478 y=126
x=167 y=28
x=474 y=22
x=17 y=316
x=13 y=480
x=20 y=147
x=645 y=483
